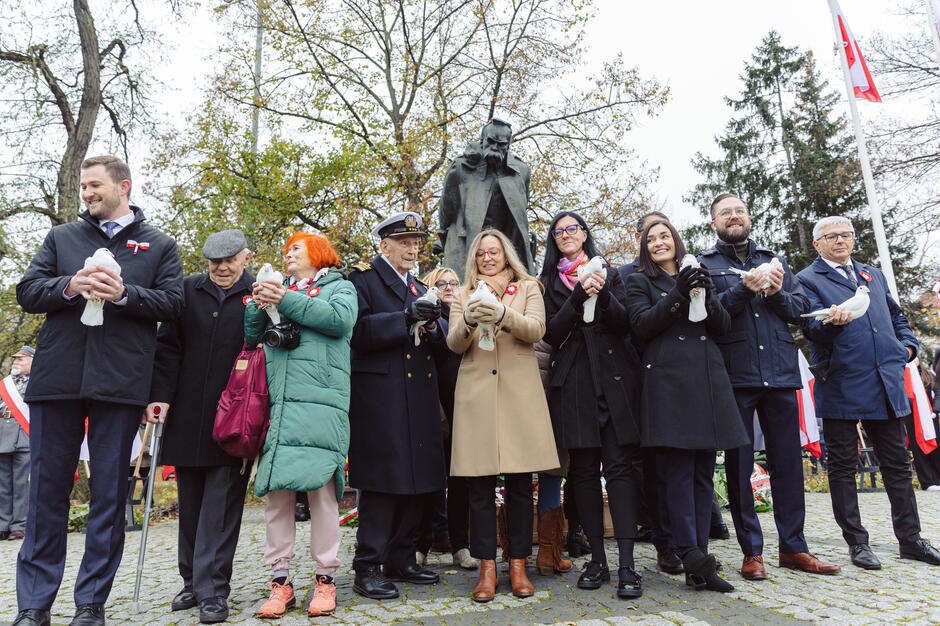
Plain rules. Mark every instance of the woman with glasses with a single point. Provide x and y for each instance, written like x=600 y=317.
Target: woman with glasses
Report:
x=687 y=407
x=455 y=515
x=593 y=395
x=501 y=421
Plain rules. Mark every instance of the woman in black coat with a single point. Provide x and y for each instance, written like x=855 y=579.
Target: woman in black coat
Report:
x=687 y=407
x=593 y=395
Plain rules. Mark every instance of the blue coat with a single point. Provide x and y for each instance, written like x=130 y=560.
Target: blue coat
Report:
x=866 y=356
x=759 y=350
x=396 y=445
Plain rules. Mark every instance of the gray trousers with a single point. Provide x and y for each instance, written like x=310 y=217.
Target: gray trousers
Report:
x=14 y=490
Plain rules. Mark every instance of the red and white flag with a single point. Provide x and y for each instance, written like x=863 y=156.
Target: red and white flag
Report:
x=858 y=69
x=809 y=428
x=14 y=402
x=924 y=431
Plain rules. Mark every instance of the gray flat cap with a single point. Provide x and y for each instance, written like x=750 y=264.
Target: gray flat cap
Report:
x=25 y=351
x=223 y=244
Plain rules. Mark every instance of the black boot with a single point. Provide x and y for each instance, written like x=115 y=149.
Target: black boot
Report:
x=629 y=583
x=698 y=566
x=578 y=544
x=372 y=583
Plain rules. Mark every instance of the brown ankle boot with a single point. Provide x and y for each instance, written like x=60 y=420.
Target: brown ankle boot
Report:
x=486 y=586
x=551 y=538
x=521 y=587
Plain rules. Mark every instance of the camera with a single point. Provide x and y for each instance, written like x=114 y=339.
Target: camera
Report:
x=285 y=334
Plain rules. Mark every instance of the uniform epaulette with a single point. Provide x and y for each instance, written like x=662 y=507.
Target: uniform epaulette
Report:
x=363 y=267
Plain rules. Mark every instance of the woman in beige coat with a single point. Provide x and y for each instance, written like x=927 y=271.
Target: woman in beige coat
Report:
x=501 y=419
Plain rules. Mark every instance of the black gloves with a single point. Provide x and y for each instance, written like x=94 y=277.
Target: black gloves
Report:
x=685 y=280
x=421 y=311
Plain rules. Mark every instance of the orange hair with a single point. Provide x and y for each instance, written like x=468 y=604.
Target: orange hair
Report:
x=319 y=250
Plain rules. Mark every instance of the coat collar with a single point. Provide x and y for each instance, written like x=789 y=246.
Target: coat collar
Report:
x=391 y=279
x=821 y=267
x=241 y=286
x=663 y=281
x=139 y=217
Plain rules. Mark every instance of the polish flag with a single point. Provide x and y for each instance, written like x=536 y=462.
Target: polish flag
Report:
x=858 y=70
x=924 y=431
x=809 y=428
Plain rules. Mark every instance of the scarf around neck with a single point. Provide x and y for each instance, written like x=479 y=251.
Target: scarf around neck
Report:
x=498 y=282
x=568 y=270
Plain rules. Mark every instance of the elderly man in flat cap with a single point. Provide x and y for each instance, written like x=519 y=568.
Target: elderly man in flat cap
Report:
x=14 y=447
x=195 y=355
x=396 y=453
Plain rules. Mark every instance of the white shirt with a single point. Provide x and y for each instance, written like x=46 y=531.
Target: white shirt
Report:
x=122 y=222
x=404 y=276
x=838 y=268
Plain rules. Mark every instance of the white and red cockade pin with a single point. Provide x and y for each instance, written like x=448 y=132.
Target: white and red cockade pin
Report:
x=865 y=275
x=512 y=289
x=313 y=291
x=247 y=299
x=138 y=245
x=414 y=290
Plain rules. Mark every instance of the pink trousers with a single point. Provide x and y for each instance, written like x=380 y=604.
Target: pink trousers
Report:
x=282 y=530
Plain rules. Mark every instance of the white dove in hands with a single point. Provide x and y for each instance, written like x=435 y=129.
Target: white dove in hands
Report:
x=697 y=311
x=857 y=305
x=93 y=315
x=594 y=266
x=430 y=297
x=487 y=336
x=764 y=269
x=265 y=274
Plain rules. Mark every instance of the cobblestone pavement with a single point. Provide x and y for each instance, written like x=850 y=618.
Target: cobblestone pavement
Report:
x=901 y=591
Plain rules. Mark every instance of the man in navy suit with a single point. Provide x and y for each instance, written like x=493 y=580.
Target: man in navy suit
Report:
x=859 y=367
x=396 y=453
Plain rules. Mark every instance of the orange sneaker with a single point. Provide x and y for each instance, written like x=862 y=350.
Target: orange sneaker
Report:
x=282 y=598
x=323 y=601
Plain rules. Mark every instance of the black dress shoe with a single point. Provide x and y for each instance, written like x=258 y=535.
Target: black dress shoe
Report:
x=594 y=575
x=719 y=531
x=213 y=610
x=863 y=557
x=88 y=615
x=920 y=550
x=629 y=583
x=32 y=617
x=185 y=599
x=577 y=543
x=668 y=561
x=370 y=582
x=644 y=535
x=414 y=574
x=4 y=535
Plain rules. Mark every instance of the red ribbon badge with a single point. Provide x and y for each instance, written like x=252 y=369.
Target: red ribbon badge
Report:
x=512 y=289
x=414 y=290
x=313 y=291
x=865 y=275
x=292 y=287
x=247 y=299
x=138 y=245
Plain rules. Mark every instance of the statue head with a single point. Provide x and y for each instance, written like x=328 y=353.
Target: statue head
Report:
x=494 y=142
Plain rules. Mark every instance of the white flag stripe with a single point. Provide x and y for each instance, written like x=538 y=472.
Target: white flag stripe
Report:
x=809 y=404
x=924 y=410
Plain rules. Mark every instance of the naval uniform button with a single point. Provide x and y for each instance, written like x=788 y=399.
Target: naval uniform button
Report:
x=429 y=357
x=409 y=374
x=215 y=314
x=429 y=374
x=766 y=384
x=494 y=372
x=757 y=315
x=610 y=351
x=702 y=338
x=407 y=356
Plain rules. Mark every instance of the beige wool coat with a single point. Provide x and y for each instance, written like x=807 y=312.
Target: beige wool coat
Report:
x=501 y=419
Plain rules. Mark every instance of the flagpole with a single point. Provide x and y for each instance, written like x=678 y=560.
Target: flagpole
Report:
x=935 y=33
x=874 y=208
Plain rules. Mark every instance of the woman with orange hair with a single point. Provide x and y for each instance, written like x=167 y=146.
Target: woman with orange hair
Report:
x=307 y=360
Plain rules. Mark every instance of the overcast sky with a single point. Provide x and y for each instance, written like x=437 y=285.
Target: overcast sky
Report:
x=698 y=48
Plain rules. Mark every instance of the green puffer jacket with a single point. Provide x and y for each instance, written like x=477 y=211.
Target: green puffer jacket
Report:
x=308 y=438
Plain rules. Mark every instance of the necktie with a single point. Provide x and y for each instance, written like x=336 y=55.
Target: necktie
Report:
x=849 y=272
x=109 y=228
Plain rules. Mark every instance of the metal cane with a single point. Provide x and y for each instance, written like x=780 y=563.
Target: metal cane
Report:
x=154 y=453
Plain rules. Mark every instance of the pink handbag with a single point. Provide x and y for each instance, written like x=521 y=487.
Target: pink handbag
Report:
x=243 y=416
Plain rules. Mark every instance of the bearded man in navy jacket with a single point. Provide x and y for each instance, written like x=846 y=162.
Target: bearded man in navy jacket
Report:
x=860 y=378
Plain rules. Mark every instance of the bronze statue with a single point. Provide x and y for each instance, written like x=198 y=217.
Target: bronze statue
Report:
x=486 y=187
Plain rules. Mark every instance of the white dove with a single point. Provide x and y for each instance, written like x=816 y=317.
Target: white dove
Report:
x=430 y=296
x=594 y=265
x=697 y=310
x=763 y=268
x=93 y=315
x=857 y=305
x=483 y=294
x=265 y=274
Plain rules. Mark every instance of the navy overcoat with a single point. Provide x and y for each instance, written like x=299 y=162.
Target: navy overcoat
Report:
x=396 y=445
x=866 y=356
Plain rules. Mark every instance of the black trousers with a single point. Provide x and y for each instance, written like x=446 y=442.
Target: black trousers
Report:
x=56 y=430
x=927 y=466
x=778 y=413
x=211 y=501
x=518 y=502
x=388 y=529
x=887 y=438
x=584 y=476
x=651 y=513
x=451 y=515
x=687 y=475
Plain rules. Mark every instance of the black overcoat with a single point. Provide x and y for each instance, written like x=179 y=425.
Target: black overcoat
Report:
x=591 y=358
x=112 y=362
x=396 y=445
x=195 y=355
x=687 y=400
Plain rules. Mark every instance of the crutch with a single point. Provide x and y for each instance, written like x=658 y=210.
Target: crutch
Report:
x=154 y=454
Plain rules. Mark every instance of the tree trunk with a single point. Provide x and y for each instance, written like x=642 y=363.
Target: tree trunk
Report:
x=67 y=183
x=800 y=222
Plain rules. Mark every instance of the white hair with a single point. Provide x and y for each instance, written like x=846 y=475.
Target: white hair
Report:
x=830 y=221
